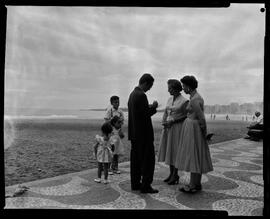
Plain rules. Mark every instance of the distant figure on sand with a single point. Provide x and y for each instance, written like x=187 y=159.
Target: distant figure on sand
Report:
x=141 y=135
x=174 y=115
x=118 y=145
x=103 y=150
x=193 y=152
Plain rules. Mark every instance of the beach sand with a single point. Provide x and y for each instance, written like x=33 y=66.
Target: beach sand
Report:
x=42 y=148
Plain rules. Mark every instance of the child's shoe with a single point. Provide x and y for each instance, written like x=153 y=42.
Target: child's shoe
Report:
x=106 y=181
x=117 y=171
x=98 y=180
x=110 y=172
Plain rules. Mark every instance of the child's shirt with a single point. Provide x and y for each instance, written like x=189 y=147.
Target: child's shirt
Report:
x=111 y=112
x=116 y=141
x=104 y=151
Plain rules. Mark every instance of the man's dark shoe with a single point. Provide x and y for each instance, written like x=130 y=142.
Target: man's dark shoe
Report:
x=149 y=190
x=137 y=187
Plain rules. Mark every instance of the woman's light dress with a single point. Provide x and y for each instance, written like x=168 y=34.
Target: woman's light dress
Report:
x=193 y=152
x=169 y=140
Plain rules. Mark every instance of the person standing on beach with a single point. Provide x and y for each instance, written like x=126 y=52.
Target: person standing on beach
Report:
x=118 y=145
x=193 y=152
x=174 y=115
x=103 y=150
x=141 y=135
x=112 y=111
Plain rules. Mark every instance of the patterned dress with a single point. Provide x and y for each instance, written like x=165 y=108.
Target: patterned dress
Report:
x=193 y=152
x=116 y=141
x=104 y=152
x=169 y=140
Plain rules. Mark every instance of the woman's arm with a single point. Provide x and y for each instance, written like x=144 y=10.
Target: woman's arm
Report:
x=182 y=115
x=197 y=107
x=165 y=115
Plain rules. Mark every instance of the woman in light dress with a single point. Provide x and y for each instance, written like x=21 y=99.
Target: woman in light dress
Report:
x=193 y=152
x=173 y=117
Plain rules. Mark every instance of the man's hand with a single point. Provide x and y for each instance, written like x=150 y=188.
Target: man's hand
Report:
x=155 y=104
x=167 y=124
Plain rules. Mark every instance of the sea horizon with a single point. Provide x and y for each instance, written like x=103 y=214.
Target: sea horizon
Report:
x=46 y=113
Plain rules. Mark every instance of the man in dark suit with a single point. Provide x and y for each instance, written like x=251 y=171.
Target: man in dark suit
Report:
x=141 y=135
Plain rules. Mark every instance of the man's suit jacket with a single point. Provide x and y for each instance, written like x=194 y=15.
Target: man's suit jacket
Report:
x=140 y=127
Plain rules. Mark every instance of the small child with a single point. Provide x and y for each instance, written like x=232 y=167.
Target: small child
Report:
x=103 y=151
x=114 y=110
x=118 y=145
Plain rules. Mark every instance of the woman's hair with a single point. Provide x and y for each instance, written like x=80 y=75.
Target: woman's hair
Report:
x=113 y=98
x=190 y=81
x=175 y=84
x=114 y=120
x=106 y=128
x=146 y=78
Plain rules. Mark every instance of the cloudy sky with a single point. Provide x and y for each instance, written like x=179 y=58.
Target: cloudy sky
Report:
x=77 y=57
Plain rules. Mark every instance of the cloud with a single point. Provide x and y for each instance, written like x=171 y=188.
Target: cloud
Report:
x=77 y=56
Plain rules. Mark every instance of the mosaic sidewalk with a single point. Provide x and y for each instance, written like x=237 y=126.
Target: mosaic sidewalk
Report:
x=235 y=185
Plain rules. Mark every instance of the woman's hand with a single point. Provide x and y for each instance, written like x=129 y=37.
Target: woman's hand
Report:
x=167 y=124
x=204 y=132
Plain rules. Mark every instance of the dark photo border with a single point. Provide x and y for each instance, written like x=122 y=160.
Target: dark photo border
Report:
x=141 y=3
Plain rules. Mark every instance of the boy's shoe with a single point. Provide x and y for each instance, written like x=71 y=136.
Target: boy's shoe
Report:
x=110 y=172
x=106 y=181
x=98 y=180
x=117 y=171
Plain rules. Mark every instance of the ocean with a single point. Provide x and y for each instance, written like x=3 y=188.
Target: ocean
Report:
x=45 y=113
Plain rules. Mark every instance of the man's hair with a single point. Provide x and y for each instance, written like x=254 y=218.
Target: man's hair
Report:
x=113 y=98
x=106 y=128
x=146 y=78
x=175 y=84
x=190 y=80
x=114 y=120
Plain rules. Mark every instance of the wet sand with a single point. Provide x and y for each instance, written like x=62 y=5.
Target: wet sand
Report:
x=37 y=149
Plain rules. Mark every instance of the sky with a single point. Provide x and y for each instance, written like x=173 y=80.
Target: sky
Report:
x=77 y=57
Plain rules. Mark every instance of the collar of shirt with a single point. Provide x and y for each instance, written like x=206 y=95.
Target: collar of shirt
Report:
x=140 y=89
x=193 y=93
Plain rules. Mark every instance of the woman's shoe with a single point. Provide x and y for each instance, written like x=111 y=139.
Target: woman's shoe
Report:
x=168 y=178
x=188 y=189
x=174 y=180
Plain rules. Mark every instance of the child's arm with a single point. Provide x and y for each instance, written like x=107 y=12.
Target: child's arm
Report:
x=108 y=115
x=112 y=147
x=95 y=149
x=122 y=118
x=121 y=134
